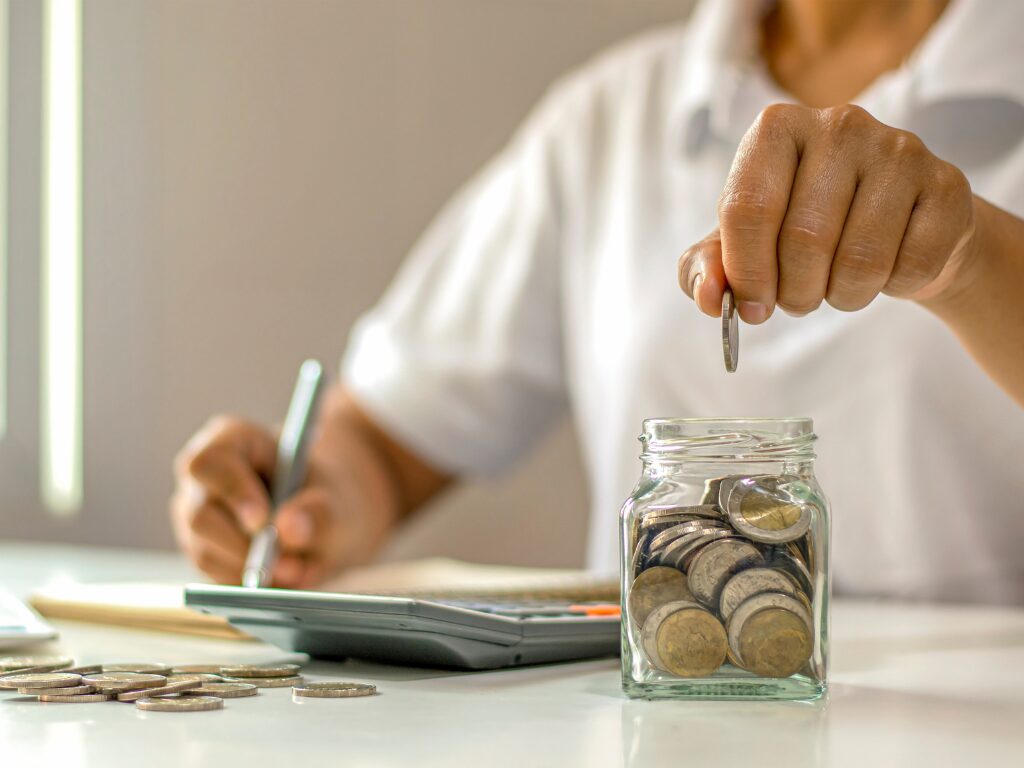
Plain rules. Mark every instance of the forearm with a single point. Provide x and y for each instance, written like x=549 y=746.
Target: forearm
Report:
x=398 y=481
x=984 y=304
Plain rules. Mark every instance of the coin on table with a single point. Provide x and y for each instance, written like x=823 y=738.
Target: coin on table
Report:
x=73 y=690
x=225 y=690
x=774 y=642
x=259 y=670
x=654 y=587
x=753 y=581
x=164 y=690
x=267 y=682
x=21 y=663
x=84 y=669
x=197 y=669
x=334 y=690
x=649 y=630
x=203 y=677
x=40 y=680
x=139 y=667
x=183 y=704
x=730 y=332
x=691 y=643
x=115 y=682
x=712 y=566
x=84 y=698
x=761 y=511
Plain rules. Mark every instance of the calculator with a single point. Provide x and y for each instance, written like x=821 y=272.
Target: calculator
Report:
x=443 y=630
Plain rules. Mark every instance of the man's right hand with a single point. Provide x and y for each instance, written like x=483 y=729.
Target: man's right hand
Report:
x=358 y=485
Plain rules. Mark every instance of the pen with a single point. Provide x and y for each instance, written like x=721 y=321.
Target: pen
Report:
x=289 y=470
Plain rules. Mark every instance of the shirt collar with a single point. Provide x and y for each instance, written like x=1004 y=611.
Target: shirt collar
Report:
x=721 y=66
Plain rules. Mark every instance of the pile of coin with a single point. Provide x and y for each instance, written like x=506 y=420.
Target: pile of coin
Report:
x=728 y=580
x=159 y=687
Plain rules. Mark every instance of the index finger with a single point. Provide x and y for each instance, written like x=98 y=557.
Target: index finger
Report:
x=229 y=458
x=753 y=206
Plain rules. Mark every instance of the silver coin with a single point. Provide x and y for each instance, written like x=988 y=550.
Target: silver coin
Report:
x=183 y=704
x=225 y=690
x=197 y=669
x=684 y=555
x=84 y=698
x=697 y=511
x=753 y=581
x=163 y=690
x=115 y=682
x=73 y=690
x=139 y=667
x=780 y=558
x=675 y=552
x=730 y=332
x=334 y=690
x=259 y=670
x=21 y=663
x=40 y=680
x=267 y=682
x=84 y=669
x=203 y=677
x=755 y=603
x=763 y=511
x=710 y=495
x=649 y=631
x=676 y=531
x=711 y=568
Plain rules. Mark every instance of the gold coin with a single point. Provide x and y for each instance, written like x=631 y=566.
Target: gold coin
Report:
x=653 y=588
x=691 y=643
x=768 y=513
x=774 y=642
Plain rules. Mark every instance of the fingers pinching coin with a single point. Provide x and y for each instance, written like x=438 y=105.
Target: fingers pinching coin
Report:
x=730 y=332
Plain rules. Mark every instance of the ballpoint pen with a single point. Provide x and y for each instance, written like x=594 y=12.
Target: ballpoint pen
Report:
x=289 y=471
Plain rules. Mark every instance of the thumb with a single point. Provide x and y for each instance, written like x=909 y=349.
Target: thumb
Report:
x=701 y=275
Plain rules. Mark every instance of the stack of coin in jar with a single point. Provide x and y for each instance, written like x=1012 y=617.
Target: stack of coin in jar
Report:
x=726 y=580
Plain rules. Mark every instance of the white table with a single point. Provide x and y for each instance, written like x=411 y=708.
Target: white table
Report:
x=912 y=685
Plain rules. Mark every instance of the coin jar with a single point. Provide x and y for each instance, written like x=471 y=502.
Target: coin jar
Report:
x=724 y=563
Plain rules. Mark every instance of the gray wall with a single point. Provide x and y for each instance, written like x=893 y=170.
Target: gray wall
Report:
x=255 y=171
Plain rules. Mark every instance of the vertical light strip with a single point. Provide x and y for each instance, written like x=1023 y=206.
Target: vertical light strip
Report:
x=3 y=215
x=61 y=392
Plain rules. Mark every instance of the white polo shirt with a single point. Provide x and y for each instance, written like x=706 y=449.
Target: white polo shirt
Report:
x=549 y=283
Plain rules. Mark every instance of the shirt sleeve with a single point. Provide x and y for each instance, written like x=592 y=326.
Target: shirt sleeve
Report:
x=462 y=360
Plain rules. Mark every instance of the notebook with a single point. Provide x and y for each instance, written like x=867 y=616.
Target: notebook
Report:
x=161 y=606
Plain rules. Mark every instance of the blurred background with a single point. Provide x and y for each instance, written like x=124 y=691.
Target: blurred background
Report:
x=252 y=174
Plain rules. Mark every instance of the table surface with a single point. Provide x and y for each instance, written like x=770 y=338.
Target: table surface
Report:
x=911 y=685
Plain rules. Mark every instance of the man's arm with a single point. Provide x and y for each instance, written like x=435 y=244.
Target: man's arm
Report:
x=832 y=205
x=361 y=483
x=983 y=302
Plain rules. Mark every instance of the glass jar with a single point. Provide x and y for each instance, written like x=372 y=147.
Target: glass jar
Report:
x=724 y=554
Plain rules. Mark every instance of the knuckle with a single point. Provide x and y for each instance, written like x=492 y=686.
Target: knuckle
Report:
x=808 y=233
x=846 y=119
x=950 y=182
x=741 y=209
x=904 y=145
x=862 y=264
x=749 y=272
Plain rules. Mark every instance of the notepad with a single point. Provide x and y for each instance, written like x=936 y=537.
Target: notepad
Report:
x=161 y=606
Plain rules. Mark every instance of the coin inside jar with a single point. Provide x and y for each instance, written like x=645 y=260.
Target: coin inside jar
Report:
x=753 y=581
x=712 y=566
x=691 y=643
x=655 y=587
x=759 y=510
x=649 y=630
x=771 y=634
